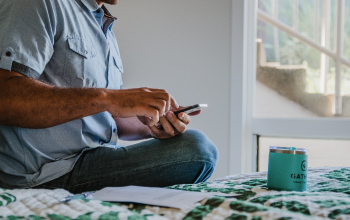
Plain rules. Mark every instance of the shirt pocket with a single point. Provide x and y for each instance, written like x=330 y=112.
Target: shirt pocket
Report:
x=118 y=63
x=115 y=78
x=79 y=58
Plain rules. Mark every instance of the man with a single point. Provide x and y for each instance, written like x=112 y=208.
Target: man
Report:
x=62 y=106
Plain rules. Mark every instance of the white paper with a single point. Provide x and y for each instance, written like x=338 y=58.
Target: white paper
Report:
x=225 y=194
x=151 y=196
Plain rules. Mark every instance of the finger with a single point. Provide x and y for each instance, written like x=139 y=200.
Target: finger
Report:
x=195 y=113
x=161 y=93
x=146 y=89
x=159 y=126
x=167 y=108
x=168 y=128
x=151 y=114
x=154 y=89
x=185 y=118
x=160 y=134
x=175 y=122
x=155 y=131
x=157 y=104
x=167 y=98
x=173 y=103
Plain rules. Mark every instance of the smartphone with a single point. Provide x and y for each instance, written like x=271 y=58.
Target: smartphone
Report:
x=191 y=109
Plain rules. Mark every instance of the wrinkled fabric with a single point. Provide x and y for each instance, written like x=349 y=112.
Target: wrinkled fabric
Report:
x=66 y=43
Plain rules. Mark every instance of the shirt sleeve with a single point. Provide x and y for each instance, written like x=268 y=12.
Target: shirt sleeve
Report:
x=26 y=35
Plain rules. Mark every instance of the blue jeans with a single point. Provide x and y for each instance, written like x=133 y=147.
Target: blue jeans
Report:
x=187 y=158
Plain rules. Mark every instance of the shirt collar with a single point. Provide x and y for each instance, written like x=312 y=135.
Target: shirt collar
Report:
x=93 y=6
x=107 y=13
x=108 y=19
x=90 y=4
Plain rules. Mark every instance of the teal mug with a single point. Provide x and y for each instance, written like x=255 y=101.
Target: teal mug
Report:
x=287 y=169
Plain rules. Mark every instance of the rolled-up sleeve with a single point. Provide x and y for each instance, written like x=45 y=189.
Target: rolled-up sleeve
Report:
x=26 y=35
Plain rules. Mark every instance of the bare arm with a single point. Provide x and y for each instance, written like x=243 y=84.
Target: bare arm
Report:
x=26 y=102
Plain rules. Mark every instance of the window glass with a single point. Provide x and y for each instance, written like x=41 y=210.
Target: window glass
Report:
x=295 y=80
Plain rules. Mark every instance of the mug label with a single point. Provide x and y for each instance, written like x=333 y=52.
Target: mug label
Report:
x=298 y=176
x=304 y=165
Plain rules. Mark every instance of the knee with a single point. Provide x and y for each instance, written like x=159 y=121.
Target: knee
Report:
x=199 y=147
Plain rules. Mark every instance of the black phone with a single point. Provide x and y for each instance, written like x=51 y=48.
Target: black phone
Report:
x=191 y=109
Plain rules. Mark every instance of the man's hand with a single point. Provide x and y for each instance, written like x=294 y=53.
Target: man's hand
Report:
x=141 y=102
x=170 y=125
x=137 y=128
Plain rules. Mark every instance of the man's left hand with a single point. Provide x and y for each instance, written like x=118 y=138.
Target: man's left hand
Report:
x=170 y=125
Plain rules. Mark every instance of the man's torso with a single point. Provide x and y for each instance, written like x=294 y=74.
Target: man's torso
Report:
x=81 y=55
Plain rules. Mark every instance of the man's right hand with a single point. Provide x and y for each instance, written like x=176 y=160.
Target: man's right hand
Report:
x=141 y=102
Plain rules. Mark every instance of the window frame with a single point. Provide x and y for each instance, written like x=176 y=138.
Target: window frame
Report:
x=245 y=128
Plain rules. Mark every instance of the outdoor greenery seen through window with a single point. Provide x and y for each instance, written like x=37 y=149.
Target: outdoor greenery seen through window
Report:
x=293 y=52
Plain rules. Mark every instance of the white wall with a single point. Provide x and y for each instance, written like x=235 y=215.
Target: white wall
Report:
x=184 y=47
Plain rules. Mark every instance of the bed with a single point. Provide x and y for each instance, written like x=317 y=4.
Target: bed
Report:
x=327 y=197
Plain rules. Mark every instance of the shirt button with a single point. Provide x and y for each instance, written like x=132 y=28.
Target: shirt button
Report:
x=8 y=53
x=114 y=130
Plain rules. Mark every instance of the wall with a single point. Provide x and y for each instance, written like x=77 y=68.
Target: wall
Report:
x=184 y=47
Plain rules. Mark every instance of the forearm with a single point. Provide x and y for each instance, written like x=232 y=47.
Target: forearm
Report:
x=28 y=103
x=130 y=129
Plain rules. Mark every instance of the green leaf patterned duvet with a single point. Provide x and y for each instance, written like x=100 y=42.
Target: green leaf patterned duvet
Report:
x=327 y=197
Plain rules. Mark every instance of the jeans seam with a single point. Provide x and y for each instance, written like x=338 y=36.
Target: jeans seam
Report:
x=183 y=162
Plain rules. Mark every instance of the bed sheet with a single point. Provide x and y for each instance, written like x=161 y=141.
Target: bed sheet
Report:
x=327 y=197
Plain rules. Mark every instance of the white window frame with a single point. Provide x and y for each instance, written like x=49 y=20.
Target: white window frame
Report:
x=243 y=68
x=245 y=128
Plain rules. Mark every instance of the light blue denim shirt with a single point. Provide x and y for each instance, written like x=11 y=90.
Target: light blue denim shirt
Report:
x=67 y=43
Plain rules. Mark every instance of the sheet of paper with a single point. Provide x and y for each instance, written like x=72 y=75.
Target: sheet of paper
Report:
x=151 y=196
x=225 y=194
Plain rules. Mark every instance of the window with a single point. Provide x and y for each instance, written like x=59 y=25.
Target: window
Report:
x=303 y=58
x=302 y=88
